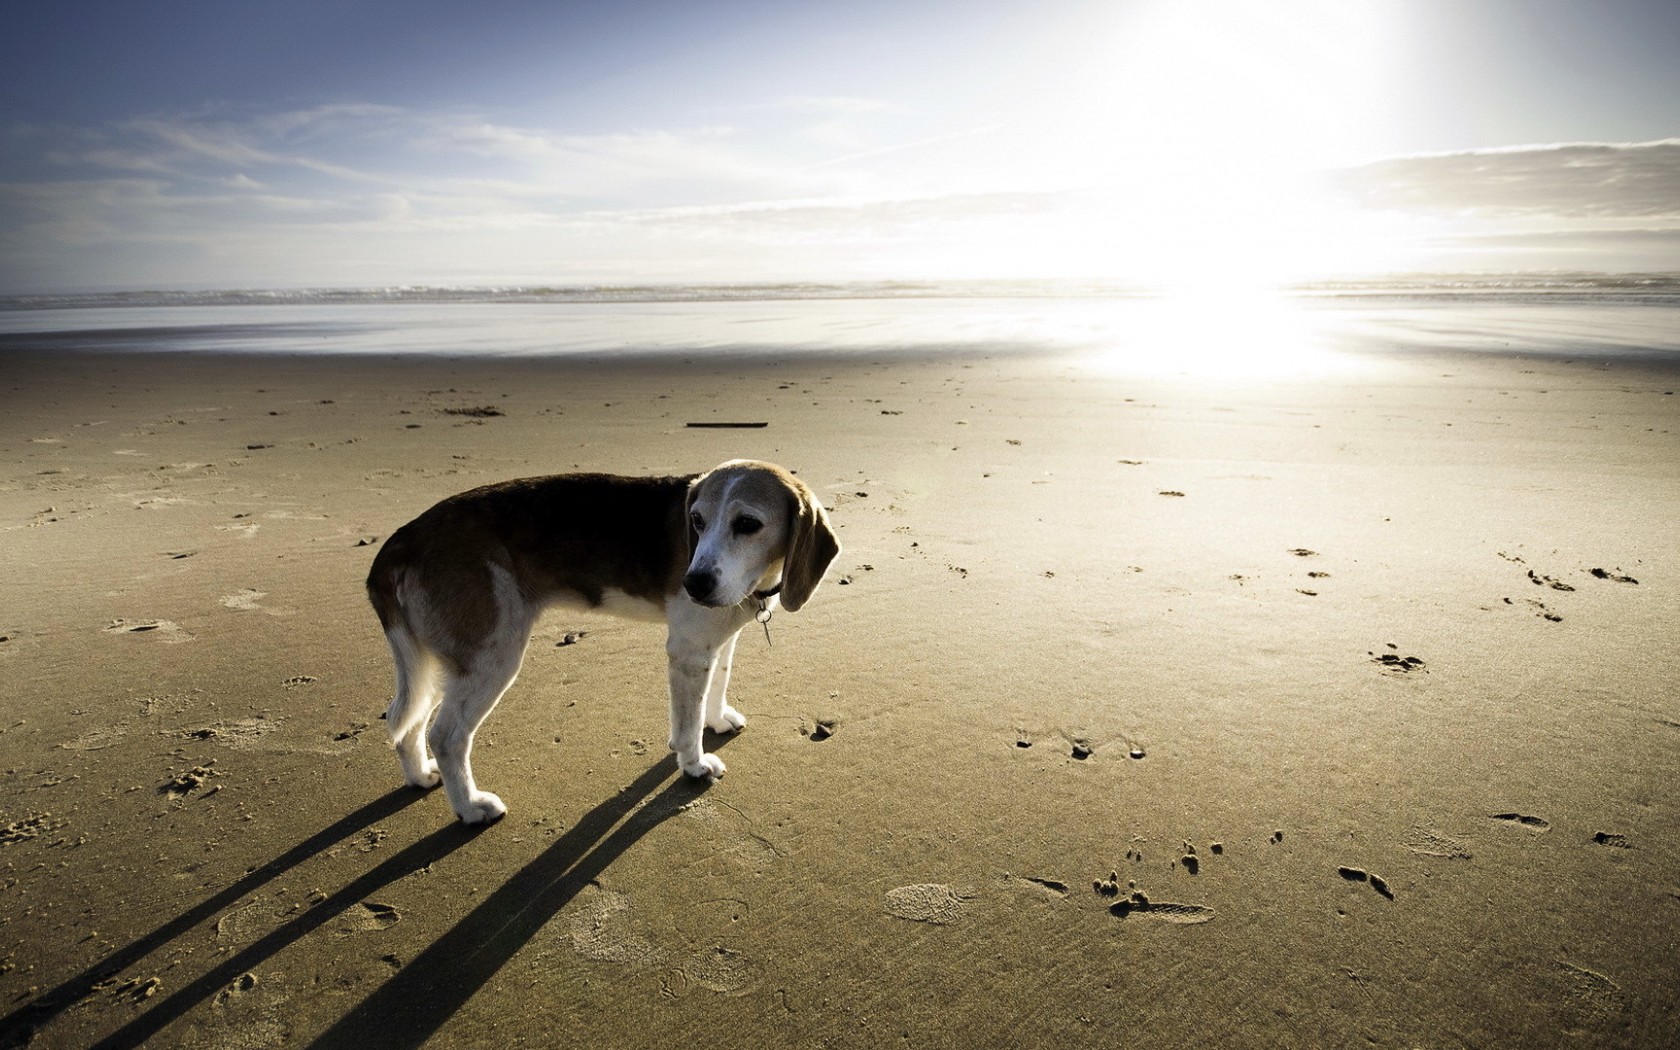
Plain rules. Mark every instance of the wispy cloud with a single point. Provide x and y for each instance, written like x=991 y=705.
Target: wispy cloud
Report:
x=367 y=194
x=1565 y=181
x=626 y=169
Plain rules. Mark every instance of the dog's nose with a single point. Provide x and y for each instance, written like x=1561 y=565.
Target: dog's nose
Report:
x=700 y=584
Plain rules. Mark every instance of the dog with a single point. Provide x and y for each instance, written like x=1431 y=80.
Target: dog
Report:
x=458 y=589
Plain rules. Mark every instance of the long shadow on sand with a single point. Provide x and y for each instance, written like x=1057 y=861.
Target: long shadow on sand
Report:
x=20 y=1024
x=426 y=992
x=410 y=1007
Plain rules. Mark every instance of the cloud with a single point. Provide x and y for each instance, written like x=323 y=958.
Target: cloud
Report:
x=828 y=105
x=366 y=194
x=1569 y=181
x=235 y=146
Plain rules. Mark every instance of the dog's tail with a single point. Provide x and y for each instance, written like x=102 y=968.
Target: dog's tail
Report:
x=385 y=579
x=386 y=582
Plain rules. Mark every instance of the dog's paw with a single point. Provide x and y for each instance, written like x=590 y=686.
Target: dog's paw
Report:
x=727 y=721
x=710 y=767
x=426 y=777
x=482 y=808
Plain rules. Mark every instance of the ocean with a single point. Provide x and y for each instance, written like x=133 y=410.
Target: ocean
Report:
x=1209 y=331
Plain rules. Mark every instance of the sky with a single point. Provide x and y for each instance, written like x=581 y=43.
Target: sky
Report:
x=369 y=143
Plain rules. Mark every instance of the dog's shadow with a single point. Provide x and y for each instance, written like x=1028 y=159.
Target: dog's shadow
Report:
x=429 y=989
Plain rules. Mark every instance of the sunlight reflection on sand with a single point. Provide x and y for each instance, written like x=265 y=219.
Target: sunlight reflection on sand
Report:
x=1212 y=335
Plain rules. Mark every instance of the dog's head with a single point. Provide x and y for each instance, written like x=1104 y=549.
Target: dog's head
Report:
x=750 y=523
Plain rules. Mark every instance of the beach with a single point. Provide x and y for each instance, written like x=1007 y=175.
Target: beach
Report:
x=1156 y=699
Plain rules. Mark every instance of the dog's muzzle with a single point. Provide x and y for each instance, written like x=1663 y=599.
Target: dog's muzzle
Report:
x=700 y=583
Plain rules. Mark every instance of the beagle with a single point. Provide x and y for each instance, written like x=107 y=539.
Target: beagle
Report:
x=459 y=588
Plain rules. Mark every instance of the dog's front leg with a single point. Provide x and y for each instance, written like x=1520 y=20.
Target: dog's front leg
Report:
x=720 y=717
x=691 y=673
x=697 y=634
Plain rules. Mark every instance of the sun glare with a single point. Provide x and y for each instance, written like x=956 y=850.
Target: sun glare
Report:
x=1207 y=126
x=1205 y=334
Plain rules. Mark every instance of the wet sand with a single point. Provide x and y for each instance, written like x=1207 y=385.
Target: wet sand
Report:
x=1137 y=711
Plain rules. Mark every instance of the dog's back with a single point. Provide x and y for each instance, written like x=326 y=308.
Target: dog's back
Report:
x=565 y=535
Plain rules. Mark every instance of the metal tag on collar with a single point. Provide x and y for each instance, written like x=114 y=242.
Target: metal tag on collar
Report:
x=763 y=617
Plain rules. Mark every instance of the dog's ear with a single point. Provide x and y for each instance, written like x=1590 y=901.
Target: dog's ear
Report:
x=812 y=547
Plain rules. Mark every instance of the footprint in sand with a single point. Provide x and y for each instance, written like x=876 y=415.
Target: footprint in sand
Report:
x=1606 y=838
x=931 y=902
x=822 y=728
x=1522 y=820
x=1616 y=576
x=1139 y=905
x=162 y=630
x=1037 y=886
x=355 y=730
x=135 y=989
x=1376 y=882
x=1540 y=580
x=245 y=923
x=1395 y=664
x=719 y=969
x=1590 y=1001
x=241 y=734
x=1427 y=843
x=181 y=785
x=1541 y=610
x=732 y=831
x=240 y=986
x=369 y=917
x=33 y=826
x=97 y=739
x=603 y=931
x=245 y=599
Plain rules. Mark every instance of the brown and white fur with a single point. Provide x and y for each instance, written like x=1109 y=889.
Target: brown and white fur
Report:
x=459 y=588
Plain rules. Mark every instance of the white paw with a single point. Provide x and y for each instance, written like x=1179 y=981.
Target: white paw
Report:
x=482 y=807
x=710 y=767
x=427 y=776
x=727 y=721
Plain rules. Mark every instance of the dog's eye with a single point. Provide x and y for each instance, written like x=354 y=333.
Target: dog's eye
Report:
x=745 y=526
x=697 y=521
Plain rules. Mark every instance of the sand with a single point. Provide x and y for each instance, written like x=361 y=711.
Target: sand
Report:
x=1137 y=711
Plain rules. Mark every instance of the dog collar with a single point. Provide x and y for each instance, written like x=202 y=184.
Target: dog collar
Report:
x=763 y=615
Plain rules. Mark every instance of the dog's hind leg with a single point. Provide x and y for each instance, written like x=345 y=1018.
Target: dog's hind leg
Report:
x=469 y=694
x=720 y=717
x=467 y=700
x=416 y=694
